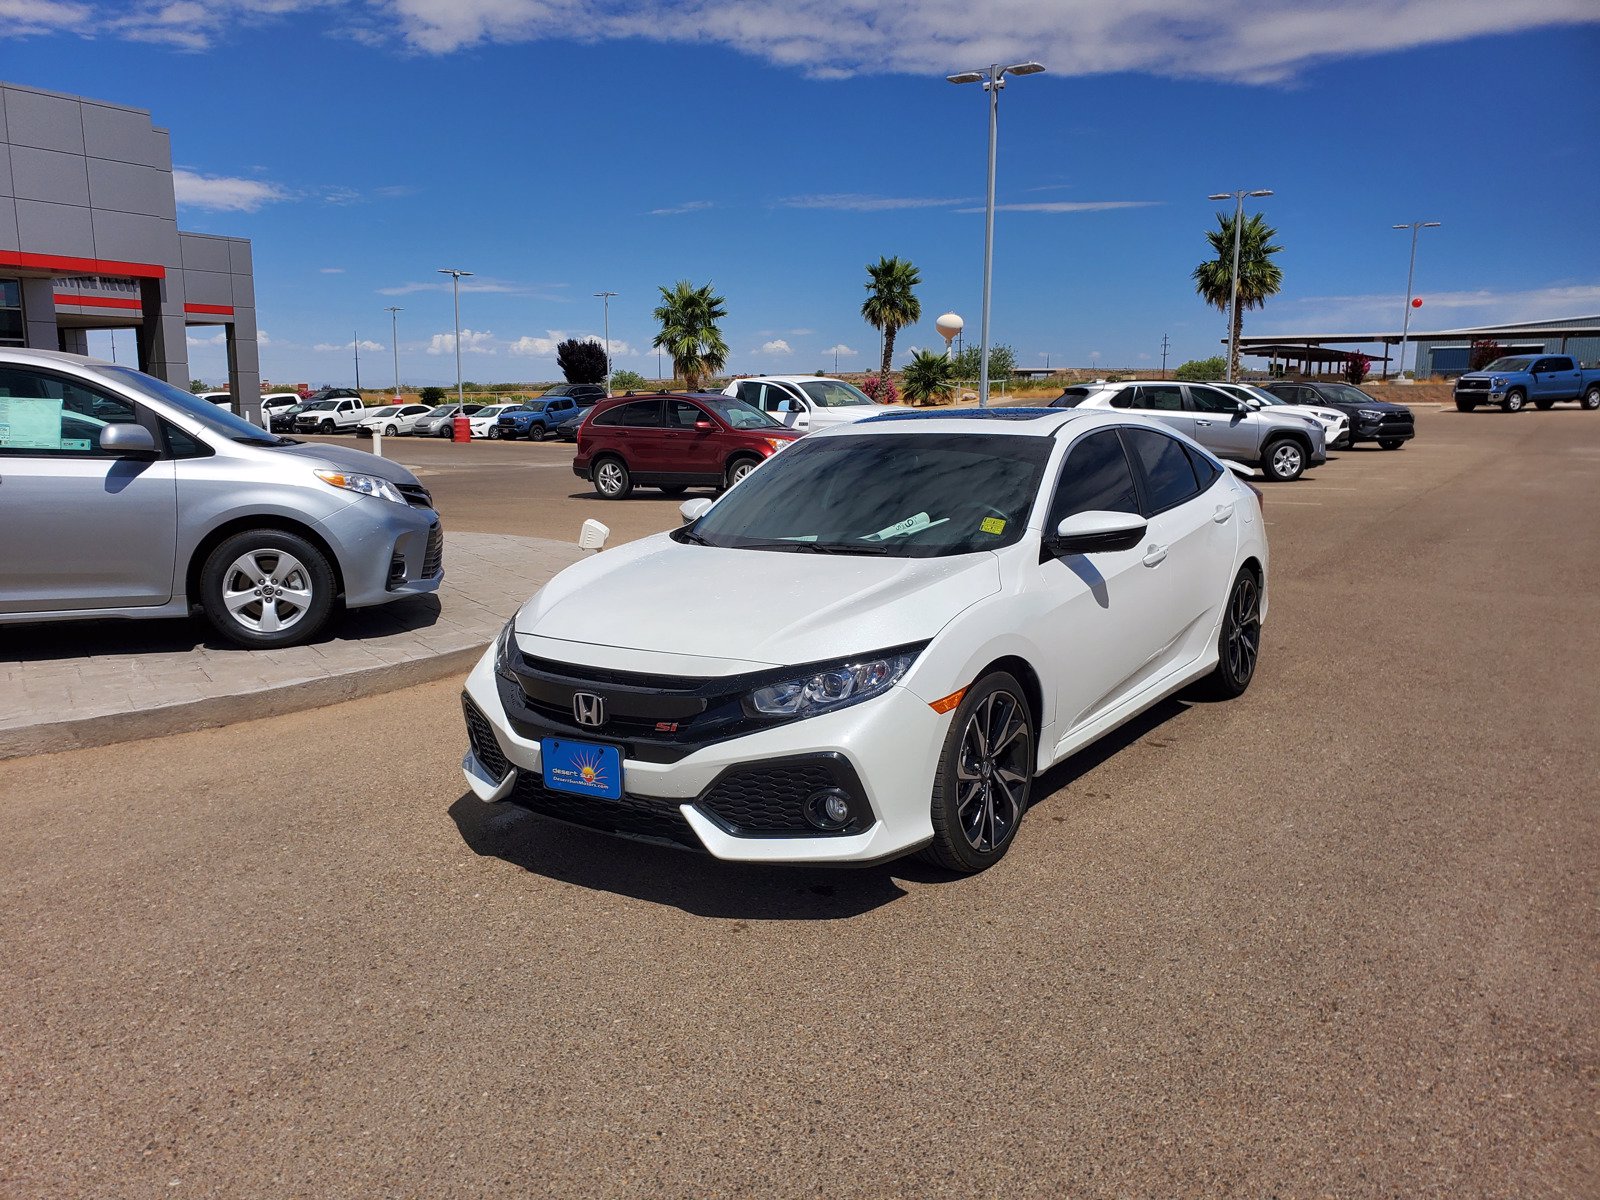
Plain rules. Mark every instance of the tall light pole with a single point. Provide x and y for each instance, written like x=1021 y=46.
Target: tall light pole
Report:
x=1233 y=279
x=1405 y=324
x=993 y=79
x=394 y=341
x=605 y=306
x=355 y=344
x=455 y=278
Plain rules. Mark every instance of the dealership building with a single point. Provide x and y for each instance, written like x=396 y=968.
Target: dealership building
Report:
x=89 y=239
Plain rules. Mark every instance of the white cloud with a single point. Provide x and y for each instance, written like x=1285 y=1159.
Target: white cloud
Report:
x=347 y=347
x=216 y=339
x=470 y=285
x=538 y=347
x=842 y=351
x=262 y=339
x=1380 y=312
x=687 y=206
x=1067 y=206
x=775 y=346
x=473 y=341
x=1251 y=41
x=332 y=270
x=859 y=202
x=223 y=193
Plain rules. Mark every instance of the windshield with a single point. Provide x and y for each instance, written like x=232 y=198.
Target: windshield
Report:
x=1509 y=364
x=387 y=411
x=211 y=417
x=320 y=406
x=834 y=393
x=535 y=406
x=739 y=415
x=903 y=495
x=442 y=410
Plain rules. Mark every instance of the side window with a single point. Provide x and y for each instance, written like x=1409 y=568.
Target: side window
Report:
x=775 y=399
x=47 y=414
x=632 y=416
x=682 y=415
x=1211 y=400
x=1095 y=478
x=181 y=444
x=751 y=393
x=1169 y=477
x=1159 y=397
x=1205 y=471
x=1124 y=398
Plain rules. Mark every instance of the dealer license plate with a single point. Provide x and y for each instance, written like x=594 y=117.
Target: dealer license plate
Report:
x=583 y=768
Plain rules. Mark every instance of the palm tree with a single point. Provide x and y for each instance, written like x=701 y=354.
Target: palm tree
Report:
x=689 y=331
x=1259 y=276
x=928 y=377
x=892 y=304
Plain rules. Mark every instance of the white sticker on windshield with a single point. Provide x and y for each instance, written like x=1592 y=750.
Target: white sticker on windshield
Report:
x=910 y=525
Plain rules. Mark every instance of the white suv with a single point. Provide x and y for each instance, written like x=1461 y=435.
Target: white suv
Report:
x=805 y=401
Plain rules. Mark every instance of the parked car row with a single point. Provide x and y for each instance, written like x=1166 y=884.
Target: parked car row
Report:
x=1282 y=429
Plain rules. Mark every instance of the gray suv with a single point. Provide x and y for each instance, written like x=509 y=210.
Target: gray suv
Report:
x=127 y=497
x=1283 y=446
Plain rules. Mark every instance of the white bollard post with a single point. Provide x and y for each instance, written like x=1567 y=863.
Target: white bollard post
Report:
x=377 y=442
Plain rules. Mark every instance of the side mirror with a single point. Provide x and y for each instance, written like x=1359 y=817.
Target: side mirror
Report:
x=703 y=426
x=693 y=510
x=127 y=440
x=1095 y=532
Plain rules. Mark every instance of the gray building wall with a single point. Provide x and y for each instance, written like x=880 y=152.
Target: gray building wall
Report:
x=1452 y=361
x=86 y=187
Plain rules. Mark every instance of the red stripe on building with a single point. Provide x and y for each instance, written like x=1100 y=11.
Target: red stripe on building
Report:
x=99 y=301
x=80 y=266
x=214 y=310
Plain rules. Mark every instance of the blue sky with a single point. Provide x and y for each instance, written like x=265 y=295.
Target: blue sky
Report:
x=775 y=148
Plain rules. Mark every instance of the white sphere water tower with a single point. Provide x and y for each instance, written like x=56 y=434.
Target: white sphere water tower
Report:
x=949 y=326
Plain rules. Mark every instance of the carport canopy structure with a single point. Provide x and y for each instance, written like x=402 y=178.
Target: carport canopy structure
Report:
x=1310 y=359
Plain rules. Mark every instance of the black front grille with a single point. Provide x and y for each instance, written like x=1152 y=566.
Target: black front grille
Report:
x=480 y=734
x=766 y=799
x=416 y=494
x=643 y=817
x=1472 y=385
x=433 y=557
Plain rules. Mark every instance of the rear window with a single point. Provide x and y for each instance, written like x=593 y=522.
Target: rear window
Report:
x=639 y=415
x=1167 y=471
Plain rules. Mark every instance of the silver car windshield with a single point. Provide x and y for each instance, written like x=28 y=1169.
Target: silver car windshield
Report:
x=203 y=412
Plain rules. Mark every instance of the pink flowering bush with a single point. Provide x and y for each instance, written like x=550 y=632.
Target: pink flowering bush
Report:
x=880 y=389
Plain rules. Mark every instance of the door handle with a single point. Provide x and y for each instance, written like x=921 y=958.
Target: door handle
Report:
x=1223 y=513
x=1154 y=555
x=1207 y=424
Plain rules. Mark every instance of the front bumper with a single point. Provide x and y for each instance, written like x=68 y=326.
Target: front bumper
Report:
x=386 y=551
x=884 y=751
x=1371 y=431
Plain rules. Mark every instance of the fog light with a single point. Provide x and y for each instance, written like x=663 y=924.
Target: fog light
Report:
x=829 y=809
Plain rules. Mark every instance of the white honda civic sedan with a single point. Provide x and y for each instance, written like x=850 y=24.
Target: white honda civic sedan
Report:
x=878 y=640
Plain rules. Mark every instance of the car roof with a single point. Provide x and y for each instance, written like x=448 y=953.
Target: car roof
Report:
x=1017 y=422
x=791 y=378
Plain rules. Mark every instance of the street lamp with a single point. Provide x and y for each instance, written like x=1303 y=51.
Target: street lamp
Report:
x=394 y=340
x=993 y=79
x=455 y=278
x=1233 y=290
x=1405 y=325
x=605 y=305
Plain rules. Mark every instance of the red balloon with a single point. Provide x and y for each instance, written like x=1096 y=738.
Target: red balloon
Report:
x=1417 y=303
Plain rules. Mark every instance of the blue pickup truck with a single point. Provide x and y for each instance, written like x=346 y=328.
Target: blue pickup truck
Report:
x=1513 y=381
x=539 y=417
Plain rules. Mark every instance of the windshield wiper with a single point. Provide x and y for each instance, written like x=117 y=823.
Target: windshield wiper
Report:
x=693 y=538
x=843 y=548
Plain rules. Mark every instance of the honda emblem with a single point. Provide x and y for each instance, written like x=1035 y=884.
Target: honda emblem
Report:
x=588 y=709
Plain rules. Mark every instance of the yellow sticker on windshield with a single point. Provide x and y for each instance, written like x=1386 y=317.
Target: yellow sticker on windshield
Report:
x=994 y=525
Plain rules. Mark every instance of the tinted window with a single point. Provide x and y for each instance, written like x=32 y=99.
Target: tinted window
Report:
x=1160 y=397
x=1211 y=400
x=632 y=416
x=1205 y=470
x=682 y=415
x=1168 y=476
x=1096 y=478
x=1071 y=397
x=47 y=414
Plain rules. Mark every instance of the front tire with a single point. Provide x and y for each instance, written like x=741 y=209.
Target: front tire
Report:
x=390 y=431
x=738 y=469
x=325 y=427
x=265 y=588
x=611 y=479
x=1591 y=398
x=985 y=771
x=1544 y=405
x=1283 y=460
x=1466 y=405
x=1515 y=399
x=1239 y=642
x=1390 y=443
x=494 y=433
x=536 y=433
x=674 y=489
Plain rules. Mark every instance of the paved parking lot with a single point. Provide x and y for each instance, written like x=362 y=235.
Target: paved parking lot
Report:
x=1338 y=938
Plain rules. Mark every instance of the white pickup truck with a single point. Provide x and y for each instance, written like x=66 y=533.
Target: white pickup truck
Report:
x=805 y=401
x=334 y=414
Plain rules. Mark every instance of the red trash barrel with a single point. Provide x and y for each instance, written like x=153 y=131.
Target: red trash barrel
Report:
x=461 y=429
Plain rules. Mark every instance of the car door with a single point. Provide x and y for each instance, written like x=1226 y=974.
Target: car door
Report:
x=635 y=431
x=1162 y=402
x=1096 y=607
x=79 y=527
x=692 y=451
x=1189 y=547
x=1222 y=424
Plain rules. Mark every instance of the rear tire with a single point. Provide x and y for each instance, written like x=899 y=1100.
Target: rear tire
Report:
x=1544 y=405
x=242 y=568
x=984 y=774
x=612 y=480
x=676 y=489
x=1238 y=642
x=1591 y=398
x=1514 y=401
x=1283 y=460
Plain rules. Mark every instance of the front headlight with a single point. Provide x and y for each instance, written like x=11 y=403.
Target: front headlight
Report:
x=831 y=687
x=365 y=485
x=1370 y=414
x=503 y=646
x=1497 y=382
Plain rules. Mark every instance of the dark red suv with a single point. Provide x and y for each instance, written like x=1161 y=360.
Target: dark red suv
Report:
x=673 y=441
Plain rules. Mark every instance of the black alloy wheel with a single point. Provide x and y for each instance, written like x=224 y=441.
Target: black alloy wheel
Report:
x=1238 y=642
x=984 y=774
x=536 y=432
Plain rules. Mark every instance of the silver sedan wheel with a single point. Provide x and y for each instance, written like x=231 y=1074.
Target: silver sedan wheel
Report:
x=267 y=591
x=991 y=772
x=1286 y=460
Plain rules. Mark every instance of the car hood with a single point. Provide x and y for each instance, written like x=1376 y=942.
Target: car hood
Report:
x=347 y=458
x=1374 y=405
x=758 y=607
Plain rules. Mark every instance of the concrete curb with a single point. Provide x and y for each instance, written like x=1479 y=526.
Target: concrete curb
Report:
x=215 y=711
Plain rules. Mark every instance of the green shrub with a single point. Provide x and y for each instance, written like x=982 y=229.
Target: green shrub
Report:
x=1200 y=370
x=433 y=395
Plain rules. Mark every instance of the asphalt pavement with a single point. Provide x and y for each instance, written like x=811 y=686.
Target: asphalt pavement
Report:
x=1336 y=938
